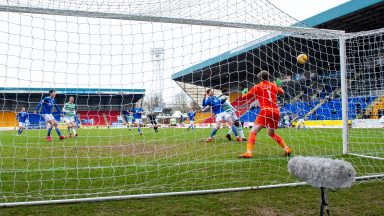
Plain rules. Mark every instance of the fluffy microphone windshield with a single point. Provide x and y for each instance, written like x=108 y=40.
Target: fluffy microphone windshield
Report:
x=322 y=172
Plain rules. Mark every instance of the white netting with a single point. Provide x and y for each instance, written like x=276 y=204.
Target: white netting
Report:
x=365 y=64
x=248 y=11
x=101 y=53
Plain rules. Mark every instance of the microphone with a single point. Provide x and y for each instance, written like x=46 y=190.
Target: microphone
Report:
x=322 y=172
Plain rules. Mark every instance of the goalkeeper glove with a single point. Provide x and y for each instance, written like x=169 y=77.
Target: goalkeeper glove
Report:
x=278 y=82
x=245 y=91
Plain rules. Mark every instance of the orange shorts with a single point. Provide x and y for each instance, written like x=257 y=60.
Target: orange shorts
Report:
x=268 y=118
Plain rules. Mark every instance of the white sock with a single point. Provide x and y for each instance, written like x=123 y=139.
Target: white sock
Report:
x=241 y=132
x=74 y=130
x=230 y=131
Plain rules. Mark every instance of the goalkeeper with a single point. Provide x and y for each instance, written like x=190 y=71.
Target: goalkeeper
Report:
x=269 y=116
x=69 y=117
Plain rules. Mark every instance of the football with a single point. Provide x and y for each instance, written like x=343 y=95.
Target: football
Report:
x=302 y=59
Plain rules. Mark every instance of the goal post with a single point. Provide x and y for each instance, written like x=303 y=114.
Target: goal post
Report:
x=159 y=19
x=344 y=93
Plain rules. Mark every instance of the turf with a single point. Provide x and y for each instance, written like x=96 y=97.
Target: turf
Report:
x=361 y=199
x=104 y=162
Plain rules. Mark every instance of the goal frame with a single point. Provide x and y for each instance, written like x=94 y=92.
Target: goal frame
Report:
x=289 y=29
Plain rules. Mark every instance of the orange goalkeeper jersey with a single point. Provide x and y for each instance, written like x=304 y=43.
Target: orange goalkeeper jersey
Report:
x=266 y=93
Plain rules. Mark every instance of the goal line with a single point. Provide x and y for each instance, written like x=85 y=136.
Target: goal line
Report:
x=366 y=156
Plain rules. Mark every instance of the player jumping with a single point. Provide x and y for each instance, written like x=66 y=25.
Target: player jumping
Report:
x=191 y=116
x=47 y=105
x=219 y=111
x=70 y=112
x=137 y=111
x=232 y=112
x=22 y=118
x=266 y=93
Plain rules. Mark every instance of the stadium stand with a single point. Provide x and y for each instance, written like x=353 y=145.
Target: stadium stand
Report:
x=34 y=119
x=329 y=110
x=240 y=104
x=378 y=108
x=250 y=116
x=112 y=117
x=210 y=120
x=200 y=117
x=315 y=91
x=89 y=118
x=94 y=105
x=8 y=119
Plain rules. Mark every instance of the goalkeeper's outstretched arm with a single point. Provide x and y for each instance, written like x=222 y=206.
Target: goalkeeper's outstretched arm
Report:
x=250 y=94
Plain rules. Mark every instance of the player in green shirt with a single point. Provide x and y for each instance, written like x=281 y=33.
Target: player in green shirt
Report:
x=129 y=120
x=69 y=118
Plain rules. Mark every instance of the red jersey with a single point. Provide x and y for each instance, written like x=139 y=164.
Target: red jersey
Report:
x=266 y=93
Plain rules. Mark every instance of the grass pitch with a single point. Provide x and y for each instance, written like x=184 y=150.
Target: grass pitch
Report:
x=104 y=162
x=362 y=199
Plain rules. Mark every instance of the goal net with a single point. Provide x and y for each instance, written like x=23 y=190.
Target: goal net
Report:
x=365 y=64
x=114 y=56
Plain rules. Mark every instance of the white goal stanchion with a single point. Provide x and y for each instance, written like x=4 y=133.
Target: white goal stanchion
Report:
x=109 y=54
x=344 y=94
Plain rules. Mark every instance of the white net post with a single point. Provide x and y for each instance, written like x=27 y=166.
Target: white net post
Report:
x=344 y=93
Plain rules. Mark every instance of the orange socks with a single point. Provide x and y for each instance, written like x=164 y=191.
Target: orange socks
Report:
x=279 y=140
x=251 y=141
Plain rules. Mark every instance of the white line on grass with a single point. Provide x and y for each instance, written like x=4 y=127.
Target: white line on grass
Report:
x=367 y=156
